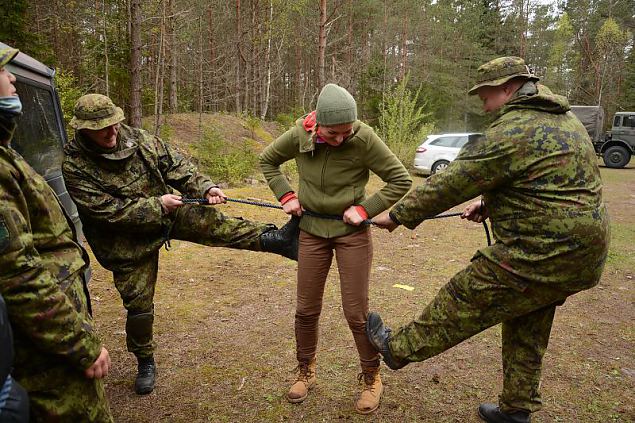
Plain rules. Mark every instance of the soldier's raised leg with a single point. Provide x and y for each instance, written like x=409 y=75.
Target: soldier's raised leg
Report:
x=476 y=298
x=208 y=226
x=136 y=283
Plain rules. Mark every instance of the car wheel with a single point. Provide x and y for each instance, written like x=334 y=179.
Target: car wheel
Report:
x=440 y=166
x=616 y=156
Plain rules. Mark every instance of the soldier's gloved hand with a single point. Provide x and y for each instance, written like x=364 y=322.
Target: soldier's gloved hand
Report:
x=214 y=195
x=170 y=202
x=384 y=221
x=476 y=212
x=100 y=367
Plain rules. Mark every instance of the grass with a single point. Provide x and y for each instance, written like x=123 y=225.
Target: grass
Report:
x=224 y=326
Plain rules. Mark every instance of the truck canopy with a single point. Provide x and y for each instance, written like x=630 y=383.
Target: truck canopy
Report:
x=592 y=117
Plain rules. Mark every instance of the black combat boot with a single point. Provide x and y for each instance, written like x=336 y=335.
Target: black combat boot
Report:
x=147 y=370
x=379 y=335
x=492 y=414
x=283 y=241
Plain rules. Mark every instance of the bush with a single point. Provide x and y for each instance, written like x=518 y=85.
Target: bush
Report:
x=287 y=120
x=225 y=162
x=403 y=123
x=69 y=93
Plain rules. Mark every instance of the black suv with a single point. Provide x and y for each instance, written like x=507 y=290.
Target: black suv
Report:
x=40 y=135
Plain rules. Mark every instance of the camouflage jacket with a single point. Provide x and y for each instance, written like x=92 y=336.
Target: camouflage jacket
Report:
x=41 y=272
x=118 y=193
x=538 y=174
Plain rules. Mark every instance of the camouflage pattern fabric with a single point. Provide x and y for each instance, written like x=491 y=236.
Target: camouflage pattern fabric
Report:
x=95 y=111
x=41 y=281
x=475 y=299
x=537 y=172
x=7 y=54
x=500 y=70
x=118 y=192
x=118 y=198
x=59 y=395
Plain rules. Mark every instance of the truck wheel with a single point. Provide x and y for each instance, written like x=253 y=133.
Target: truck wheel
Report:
x=616 y=156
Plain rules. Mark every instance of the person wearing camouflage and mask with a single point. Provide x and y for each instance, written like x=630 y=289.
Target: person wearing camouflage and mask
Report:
x=537 y=172
x=123 y=181
x=59 y=358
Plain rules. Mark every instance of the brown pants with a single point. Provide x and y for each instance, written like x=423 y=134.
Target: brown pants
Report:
x=354 y=257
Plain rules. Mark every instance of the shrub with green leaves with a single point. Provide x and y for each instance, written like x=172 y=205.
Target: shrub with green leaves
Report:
x=404 y=121
x=225 y=162
x=69 y=92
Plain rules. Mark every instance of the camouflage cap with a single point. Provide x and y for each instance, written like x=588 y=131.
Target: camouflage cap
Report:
x=7 y=54
x=95 y=111
x=498 y=71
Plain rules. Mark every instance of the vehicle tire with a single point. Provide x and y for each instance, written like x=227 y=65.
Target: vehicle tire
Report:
x=439 y=166
x=616 y=156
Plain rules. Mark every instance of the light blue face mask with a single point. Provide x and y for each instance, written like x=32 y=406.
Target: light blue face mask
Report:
x=11 y=105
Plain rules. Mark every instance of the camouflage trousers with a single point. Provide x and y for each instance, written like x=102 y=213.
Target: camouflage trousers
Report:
x=478 y=297
x=136 y=281
x=62 y=394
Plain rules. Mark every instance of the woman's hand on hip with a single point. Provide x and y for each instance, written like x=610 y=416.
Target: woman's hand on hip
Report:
x=352 y=217
x=292 y=207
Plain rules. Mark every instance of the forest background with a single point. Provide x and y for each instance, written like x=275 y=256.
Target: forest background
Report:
x=409 y=63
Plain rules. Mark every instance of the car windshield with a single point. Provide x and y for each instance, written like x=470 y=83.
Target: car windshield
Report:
x=38 y=140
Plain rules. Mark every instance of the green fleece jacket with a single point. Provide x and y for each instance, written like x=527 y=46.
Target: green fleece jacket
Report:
x=331 y=179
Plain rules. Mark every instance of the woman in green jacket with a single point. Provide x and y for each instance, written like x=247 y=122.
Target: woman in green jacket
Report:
x=334 y=153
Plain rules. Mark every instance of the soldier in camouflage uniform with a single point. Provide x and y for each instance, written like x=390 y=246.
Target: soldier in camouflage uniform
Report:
x=58 y=357
x=123 y=180
x=540 y=184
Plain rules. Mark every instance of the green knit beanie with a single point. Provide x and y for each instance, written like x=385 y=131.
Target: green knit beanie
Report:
x=335 y=106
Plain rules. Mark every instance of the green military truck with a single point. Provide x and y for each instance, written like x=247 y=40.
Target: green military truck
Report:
x=615 y=146
x=40 y=135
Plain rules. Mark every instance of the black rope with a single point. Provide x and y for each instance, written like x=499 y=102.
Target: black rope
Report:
x=203 y=201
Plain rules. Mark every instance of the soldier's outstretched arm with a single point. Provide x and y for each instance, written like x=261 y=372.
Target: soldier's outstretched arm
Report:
x=36 y=305
x=482 y=165
x=180 y=173
x=142 y=214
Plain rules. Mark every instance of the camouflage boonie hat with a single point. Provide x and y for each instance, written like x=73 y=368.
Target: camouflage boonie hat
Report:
x=498 y=71
x=7 y=54
x=95 y=111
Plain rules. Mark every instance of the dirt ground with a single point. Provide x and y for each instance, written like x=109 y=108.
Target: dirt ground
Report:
x=224 y=327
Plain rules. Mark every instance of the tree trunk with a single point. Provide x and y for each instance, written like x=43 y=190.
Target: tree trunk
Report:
x=239 y=37
x=212 y=61
x=404 y=50
x=200 y=78
x=174 y=101
x=106 y=64
x=265 y=103
x=321 y=45
x=135 y=63
x=158 y=81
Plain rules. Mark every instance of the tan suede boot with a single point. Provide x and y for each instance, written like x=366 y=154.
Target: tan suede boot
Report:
x=305 y=380
x=371 y=394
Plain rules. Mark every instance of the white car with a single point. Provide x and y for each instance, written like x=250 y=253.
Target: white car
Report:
x=437 y=151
